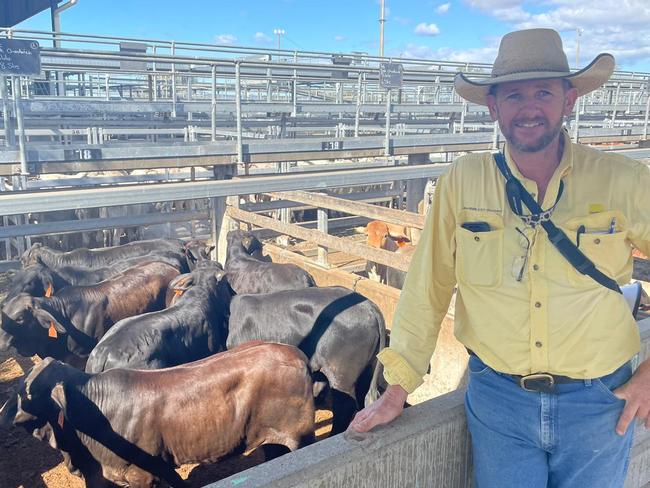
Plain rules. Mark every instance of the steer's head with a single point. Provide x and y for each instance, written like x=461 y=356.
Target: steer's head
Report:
x=28 y=327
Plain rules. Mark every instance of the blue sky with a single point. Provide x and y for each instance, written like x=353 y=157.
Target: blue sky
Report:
x=460 y=30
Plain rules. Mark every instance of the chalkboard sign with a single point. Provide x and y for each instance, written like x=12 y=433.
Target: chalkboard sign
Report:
x=390 y=75
x=19 y=57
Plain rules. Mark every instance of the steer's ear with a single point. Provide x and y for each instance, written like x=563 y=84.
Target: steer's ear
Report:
x=49 y=322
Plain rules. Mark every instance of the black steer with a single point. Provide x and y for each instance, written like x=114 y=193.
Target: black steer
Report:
x=248 y=274
x=340 y=331
x=99 y=258
x=191 y=328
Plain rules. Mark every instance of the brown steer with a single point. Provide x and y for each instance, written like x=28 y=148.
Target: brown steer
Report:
x=134 y=426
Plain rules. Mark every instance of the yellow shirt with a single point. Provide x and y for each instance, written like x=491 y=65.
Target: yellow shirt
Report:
x=555 y=319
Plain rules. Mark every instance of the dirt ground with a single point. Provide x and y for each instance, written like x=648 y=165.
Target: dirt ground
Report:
x=26 y=462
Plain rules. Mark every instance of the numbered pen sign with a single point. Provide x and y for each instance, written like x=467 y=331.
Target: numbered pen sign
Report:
x=332 y=145
x=19 y=57
x=81 y=154
x=390 y=75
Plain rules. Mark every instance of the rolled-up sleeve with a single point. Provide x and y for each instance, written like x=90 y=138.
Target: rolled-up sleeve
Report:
x=425 y=296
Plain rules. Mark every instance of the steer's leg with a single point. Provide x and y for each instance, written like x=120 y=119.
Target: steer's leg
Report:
x=343 y=409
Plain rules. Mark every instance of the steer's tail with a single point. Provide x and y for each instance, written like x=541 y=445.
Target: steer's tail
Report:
x=373 y=390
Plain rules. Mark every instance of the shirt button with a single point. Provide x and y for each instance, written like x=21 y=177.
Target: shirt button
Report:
x=538 y=344
x=535 y=267
x=596 y=241
x=538 y=304
x=477 y=238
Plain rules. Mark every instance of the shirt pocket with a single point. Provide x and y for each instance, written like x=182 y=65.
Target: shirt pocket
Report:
x=604 y=241
x=479 y=255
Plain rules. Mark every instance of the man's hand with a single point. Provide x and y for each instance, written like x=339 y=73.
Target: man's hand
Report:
x=636 y=394
x=387 y=407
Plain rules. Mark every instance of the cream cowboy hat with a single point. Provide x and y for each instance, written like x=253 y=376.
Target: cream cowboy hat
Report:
x=534 y=54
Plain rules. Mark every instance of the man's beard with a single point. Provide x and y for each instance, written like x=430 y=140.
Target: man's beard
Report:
x=541 y=143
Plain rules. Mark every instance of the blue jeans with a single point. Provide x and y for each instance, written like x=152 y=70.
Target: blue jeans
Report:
x=564 y=439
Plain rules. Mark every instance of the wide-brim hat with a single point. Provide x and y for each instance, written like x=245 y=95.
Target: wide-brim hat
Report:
x=534 y=54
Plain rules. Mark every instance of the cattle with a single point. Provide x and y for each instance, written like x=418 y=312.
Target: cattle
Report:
x=192 y=327
x=395 y=277
x=97 y=258
x=39 y=280
x=132 y=427
x=248 y=274
x=382 y=235
x=340 y=331
x=68 y=325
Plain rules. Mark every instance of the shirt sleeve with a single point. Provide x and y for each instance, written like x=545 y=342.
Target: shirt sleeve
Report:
x=425 y=296
x=640 y=222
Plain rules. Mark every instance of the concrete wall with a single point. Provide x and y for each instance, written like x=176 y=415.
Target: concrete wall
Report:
x=428 y=446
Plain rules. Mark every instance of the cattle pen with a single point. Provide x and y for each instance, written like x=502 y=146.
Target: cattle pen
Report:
x=209 y=138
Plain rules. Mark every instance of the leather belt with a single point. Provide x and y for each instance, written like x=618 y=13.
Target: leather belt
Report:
x=536 y=382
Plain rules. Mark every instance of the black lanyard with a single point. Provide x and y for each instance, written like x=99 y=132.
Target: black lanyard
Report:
x=516 y=194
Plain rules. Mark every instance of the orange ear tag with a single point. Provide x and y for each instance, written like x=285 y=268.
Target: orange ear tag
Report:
x=178 y=293
x=60 y=419
x=48 y=292
x=51 y=332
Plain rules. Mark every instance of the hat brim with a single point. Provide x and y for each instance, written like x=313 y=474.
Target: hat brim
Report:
x=588 y=79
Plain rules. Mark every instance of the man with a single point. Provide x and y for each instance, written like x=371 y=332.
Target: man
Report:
x=551 y=395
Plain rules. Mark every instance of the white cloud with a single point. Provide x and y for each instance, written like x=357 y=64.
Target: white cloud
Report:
x=424 y=29
x=615 y=26
x=339 y=38
x=225 y=39
x=449 y=54
x=443 y=8
x=262 y=38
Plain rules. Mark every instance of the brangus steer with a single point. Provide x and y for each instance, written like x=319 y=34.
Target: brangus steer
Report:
x=68 y=325
x=191 y=328
x=98 y=258
x=130 y=426
x=248 y=274
x=340 y=331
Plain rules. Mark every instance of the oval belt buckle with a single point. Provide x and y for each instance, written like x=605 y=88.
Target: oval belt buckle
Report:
x=539 y=382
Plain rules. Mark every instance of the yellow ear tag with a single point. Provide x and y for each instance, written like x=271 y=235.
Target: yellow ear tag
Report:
x=48 y=292
x=51 y=332
x=60 y=419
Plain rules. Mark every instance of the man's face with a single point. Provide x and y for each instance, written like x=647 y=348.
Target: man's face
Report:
x=530 y=112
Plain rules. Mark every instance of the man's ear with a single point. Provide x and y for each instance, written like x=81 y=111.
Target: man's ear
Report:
x=492 y=107
x=570 y=98
x=47 y=320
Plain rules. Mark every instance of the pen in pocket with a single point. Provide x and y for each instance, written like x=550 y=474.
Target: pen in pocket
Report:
x=612 y=226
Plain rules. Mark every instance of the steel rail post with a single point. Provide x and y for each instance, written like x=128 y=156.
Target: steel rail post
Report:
x=322 y=225
x=10 y=137
x=387 y=130
x=647 y=111
x=240 y=145
x=618 y=89
x=213 y=114
x=463 y=110
x=294 y=110
x=15 y=85
x=173 y=50
x=357 y=111
x=154 y=78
